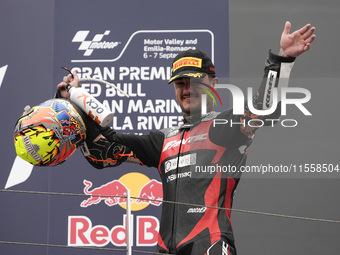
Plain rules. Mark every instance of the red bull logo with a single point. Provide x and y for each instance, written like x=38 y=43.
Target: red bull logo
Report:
x=81 y=232
x=145 y=192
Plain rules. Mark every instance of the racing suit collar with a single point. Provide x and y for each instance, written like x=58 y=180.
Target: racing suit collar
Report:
x=190 y=121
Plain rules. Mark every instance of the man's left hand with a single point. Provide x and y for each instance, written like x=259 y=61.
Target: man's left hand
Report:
x=296 y=43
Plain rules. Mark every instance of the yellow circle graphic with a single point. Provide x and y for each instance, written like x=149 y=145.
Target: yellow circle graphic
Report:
x=134 y=182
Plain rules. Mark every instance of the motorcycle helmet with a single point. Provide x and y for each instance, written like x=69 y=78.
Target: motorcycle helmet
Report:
x=47 y=134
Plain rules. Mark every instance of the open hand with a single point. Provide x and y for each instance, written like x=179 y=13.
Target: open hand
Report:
x=296 y=43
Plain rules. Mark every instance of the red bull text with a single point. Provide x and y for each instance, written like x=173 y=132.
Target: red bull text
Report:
x=82 y=233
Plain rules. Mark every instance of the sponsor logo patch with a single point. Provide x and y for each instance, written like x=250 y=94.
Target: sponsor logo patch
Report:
x=195 y=62
x=185 y=160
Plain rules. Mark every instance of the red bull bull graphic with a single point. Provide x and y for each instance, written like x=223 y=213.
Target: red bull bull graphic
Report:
x=145 y=192
x=112 y=193
x=82 y=233
x=151 y=192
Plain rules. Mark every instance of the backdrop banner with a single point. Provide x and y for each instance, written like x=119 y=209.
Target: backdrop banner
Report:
x=130 y=44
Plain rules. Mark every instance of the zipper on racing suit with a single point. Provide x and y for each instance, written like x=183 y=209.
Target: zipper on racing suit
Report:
x=184 y=129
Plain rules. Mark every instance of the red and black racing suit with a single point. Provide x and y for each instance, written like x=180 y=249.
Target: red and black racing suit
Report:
x=193 y=162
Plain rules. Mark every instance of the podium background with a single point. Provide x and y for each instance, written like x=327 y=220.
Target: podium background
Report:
x=37 y=39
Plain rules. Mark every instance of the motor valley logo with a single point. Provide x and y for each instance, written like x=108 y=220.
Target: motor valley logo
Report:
x=96 y=43
x=149 y=192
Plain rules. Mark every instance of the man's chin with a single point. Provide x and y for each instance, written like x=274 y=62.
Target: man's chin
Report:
x=193 y=112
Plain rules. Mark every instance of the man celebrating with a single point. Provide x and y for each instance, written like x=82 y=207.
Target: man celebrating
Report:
x=181 y=154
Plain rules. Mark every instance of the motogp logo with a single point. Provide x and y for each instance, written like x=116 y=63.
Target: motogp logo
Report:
x=95 y=43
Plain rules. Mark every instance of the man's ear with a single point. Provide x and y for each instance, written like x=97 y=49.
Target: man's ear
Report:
x=214 y=81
